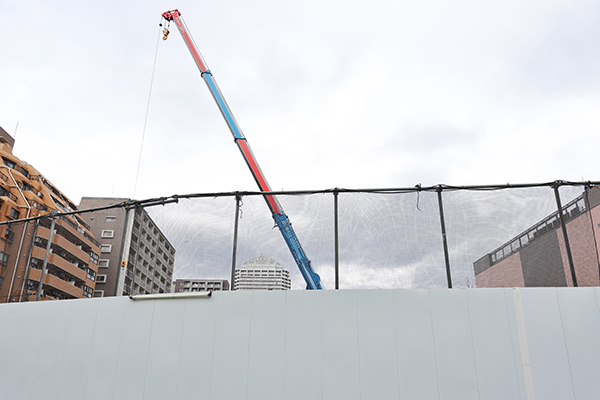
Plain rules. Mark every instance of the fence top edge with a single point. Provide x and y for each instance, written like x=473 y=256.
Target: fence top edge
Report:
x=417 y=188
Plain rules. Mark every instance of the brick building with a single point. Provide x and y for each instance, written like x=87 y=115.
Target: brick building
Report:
x=538 y=256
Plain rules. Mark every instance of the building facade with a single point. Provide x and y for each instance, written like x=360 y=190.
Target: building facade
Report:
x=261 y=273
x=539 y=256
x=67 y=267
x=200 y=285
x=135 y=256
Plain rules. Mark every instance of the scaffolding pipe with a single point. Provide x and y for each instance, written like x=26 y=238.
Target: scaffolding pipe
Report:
x=444 y=240
x=45 y=264
x=564 y=231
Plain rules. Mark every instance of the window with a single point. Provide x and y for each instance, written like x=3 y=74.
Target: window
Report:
x=9 y=163
x=87 y=291
x=108 y=234
x=93 y=257
x=14 y=213
x=111 y=218
x=100 y=278
x=3 y=257
x=103 y=263
x=9 y=234
x=106 y=248
x=98 y=293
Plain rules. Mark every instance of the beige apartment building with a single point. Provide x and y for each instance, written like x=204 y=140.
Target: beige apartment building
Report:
x=70 y=266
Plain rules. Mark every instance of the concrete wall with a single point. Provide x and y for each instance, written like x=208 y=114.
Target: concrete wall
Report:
x=541 y=343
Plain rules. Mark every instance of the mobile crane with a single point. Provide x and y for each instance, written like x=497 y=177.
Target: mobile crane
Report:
x=313 y=280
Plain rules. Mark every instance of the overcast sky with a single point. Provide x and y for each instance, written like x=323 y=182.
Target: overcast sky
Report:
x=351 y=94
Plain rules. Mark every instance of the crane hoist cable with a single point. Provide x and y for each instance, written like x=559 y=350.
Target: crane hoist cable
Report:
x=137 y=173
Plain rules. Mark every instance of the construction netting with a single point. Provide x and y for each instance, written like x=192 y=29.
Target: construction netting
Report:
x=390 y=238
x=421 y=237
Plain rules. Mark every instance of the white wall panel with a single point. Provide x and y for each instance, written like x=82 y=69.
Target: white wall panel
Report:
x=17 y=334
x=495 y=360
x=47 y=370
x=339 y=346
x=377 y=344
x=417 y=373
x=196 y=354
x=547 y=347
x=232 y=336
x=130 y=377
x=303 y=345
x=266 y=362
x=76 y=358
x=580 y=317
x=164 y=348
x=106 y=342
x=49 y=338
x=423 y=344
x=453 y=345
x=509 y=297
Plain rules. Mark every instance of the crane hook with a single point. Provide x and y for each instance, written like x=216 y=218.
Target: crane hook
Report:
x=165 y=33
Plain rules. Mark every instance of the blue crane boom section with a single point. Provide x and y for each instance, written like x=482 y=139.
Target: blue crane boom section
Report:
x=312 y=279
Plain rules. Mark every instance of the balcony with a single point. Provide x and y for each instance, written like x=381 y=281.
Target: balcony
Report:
x=60 y=262
x=56 y=283
x=6 y=193
x=79 y=232
x=65 y=244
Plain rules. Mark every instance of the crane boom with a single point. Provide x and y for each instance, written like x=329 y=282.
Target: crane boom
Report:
x=312 y=279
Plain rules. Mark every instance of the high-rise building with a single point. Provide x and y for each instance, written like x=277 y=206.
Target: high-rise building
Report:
x=136 y=257
x=68 y=270
x=261 y=273
x=539 y=256
x=200 y=285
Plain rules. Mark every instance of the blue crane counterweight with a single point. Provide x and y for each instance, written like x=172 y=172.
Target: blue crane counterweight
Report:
x=312 y=279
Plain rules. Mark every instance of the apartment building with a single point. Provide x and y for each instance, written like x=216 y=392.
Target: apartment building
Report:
x=136 y=257
x=67 y=266
x=200 y=285
x=261 y=273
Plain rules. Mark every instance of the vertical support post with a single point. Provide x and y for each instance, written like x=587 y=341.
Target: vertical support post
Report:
x=122 y=269
x=45 y=264
x=588 y=187
x=564 y=231
x=25 y=285
x=445 y=242
x=336 y=238
x=238 y=199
